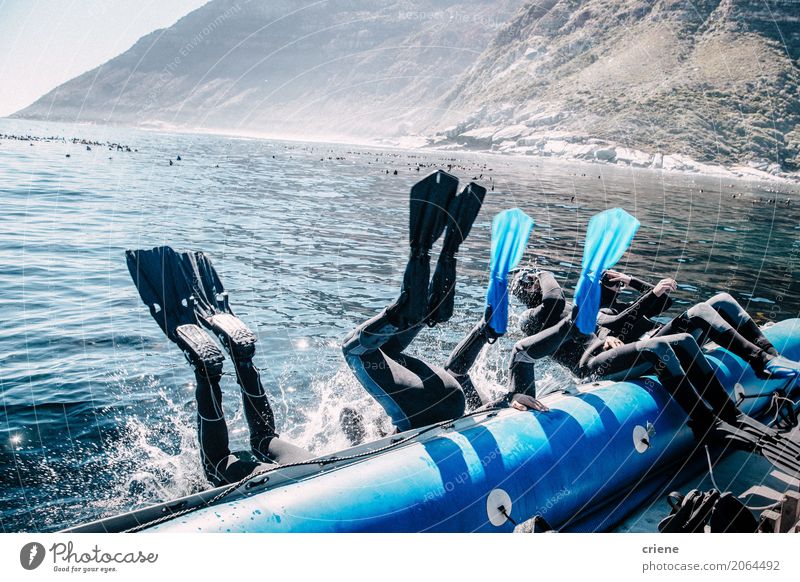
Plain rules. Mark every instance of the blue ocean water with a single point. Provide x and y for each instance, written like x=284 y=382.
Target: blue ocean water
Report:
x=96 y=406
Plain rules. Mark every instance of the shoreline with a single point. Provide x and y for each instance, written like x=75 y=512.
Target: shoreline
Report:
x=557 y=146
x=568 y=147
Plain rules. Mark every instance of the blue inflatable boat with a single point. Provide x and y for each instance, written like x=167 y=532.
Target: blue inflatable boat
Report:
x=601 y=450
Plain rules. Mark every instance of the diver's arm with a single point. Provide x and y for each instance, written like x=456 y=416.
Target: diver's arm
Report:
x=522 y=378
x=463 y=357
x=647 y=305
x=652 y=301
x=659 y=302
x=639 y=285
x=546 y=342
x=551 y=290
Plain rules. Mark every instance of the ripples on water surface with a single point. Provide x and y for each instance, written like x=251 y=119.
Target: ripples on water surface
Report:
x=96 y=409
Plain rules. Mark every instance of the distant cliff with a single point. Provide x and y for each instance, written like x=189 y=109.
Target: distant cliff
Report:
x=347 y=67
x=660 y=83
x=712 y=80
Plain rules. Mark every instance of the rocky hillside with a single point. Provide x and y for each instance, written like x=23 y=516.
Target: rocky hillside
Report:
x=347 y=67
x=712 y=80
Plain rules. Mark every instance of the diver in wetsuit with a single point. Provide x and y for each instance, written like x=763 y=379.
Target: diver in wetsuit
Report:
x=720 y=319
x=676 y=359
x=184 y=291
x=413 y=392
x=630 y=320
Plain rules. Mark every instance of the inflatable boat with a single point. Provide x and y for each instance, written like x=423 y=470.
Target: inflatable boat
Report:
x=599 y=453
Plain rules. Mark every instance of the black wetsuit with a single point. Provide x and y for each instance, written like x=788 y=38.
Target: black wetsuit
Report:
x=413 y=392
x=721 y=319
x=676 y=359
x=629 y=321
x=220 y=464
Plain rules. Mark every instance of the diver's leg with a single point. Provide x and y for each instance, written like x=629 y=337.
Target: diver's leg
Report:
x=735 y=314
x=653 y=356
x=212 y=431
x=461 y=214
x=264 y=441
x=435 y=394
x=522 y=379
x=371 y=346
x=463 y=357
x=702 y=376
x=737 y=427
x=381 y=332
x=393 y=330
x=411 y=392
x=703 y=322
x=240 y=342
x=372 y=370
x=219 y=464
x=370 y=349
x=428 y=215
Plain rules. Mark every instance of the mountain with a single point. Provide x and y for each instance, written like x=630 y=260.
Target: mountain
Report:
x=712 y=80
x=346 y=67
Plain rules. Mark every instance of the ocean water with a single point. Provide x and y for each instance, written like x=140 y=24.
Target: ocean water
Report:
x=96 y=406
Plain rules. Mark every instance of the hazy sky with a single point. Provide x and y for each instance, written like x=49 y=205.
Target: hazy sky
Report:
x=46 y=42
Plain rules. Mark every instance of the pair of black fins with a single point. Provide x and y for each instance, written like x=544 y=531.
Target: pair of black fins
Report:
x=780 y=449
x=434 y=206
x=184 y=291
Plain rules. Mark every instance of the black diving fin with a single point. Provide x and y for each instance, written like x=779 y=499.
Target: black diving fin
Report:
x=430 y=199
x=158 y=274
x=461 y=215
x=210 y=303
x=782 y=450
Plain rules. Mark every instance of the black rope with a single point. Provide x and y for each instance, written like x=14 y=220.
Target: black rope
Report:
x=502 y=510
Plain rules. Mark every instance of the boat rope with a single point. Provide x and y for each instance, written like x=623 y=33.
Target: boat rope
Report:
x=711 y=470
x=504 y=513
x=258 y=475
x=780 y=403
x=714 y=483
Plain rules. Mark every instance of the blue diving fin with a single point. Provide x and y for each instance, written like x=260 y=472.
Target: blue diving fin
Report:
x=510 y=232
x=608 y=236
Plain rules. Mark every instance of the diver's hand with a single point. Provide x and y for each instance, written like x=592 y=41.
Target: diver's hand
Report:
x=612 y=343
x=524 y=402
x=664 y=286
x=614 y=276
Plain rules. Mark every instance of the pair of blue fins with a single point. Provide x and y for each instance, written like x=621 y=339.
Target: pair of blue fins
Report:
x=435 y=205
